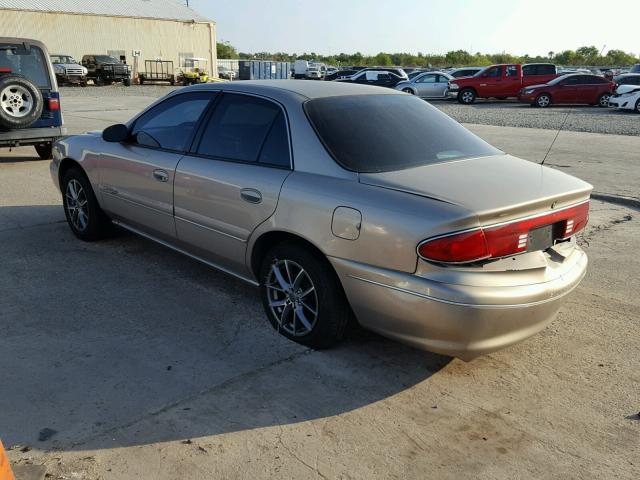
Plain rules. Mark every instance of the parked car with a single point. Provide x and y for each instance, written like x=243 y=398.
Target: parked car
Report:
x=627 y=79
x=627 y=97
x=574 y=88
x=316 y=71
x=226 y=73
x=340 y=74
x=635 y=68
x=414 y=73
x=464 y=72
x=425 y=232
x=68 y=70
x=427 y=85
x=104 y=69
x=29 y=98
x=380 y=78
x=500 y=81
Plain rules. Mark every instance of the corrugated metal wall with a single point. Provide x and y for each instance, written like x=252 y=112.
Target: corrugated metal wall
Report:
x=79 y=35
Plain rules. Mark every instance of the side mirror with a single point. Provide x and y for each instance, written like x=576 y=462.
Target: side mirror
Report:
x=115 y=133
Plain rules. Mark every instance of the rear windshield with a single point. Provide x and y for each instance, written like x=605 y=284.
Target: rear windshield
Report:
x=381 y=133
x=106 y=59
x=29 y=63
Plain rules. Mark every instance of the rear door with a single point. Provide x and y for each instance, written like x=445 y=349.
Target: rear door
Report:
x=512 y=81
x=136 y=177
x=230 y=181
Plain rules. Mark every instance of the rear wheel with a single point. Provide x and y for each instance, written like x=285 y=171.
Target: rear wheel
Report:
x=467 y=96
x=409 y=91
x=85 y=217
x=543 y=100
x=603 y=100
x=638 y=106
x=44 y=150
x=302 y=296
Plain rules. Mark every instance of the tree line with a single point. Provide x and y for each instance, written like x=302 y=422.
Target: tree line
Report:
x=582 y=56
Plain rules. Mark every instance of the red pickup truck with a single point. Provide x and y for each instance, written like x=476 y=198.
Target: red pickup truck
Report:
x=501 y=81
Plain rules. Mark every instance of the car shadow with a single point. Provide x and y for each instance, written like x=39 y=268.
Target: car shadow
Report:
x=124 y=342
x=10 y=158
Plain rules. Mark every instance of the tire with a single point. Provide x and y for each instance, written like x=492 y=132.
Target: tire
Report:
x=44 y=150
x=21 y=102
x=501 y=98
x=603 y=100
x=99 y=81
x=638 y=106
x=409 y=91
x=543 y=100
x=467 y=96
x=317 y=319
x=76 y=189
x=126 y=82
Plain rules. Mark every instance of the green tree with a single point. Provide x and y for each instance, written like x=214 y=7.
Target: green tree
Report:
x=226 y=50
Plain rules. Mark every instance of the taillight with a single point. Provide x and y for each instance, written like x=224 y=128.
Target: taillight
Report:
x=54 y=104
x=503 y=240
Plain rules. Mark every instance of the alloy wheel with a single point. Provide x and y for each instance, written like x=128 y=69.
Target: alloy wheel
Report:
x=408 y=90
x=467 y=97
x=292 y=297
x=16 y=101
x=77 y=205
x=544 y=101
x=604 y=100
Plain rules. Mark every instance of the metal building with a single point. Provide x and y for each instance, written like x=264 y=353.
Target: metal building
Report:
x=157 y=29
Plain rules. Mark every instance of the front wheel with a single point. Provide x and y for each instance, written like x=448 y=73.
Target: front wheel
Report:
x=638 y=106
x=44 y=150
x=603 y=100
x=467 y=96
x=302 y=296
x=126 y=82
x=543 y=101
x=85 y=217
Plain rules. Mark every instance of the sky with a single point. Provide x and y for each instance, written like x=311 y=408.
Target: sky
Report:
x=326 y=27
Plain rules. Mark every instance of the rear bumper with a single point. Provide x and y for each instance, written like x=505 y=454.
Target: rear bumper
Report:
x=30 y=136
x=455 y=319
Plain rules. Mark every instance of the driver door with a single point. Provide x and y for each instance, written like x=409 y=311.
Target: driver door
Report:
x=136 y=181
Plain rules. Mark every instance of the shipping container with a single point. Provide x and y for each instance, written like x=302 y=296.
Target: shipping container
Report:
x=264 y=70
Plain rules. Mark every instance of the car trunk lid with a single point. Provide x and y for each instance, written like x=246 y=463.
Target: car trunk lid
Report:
x=496 y=189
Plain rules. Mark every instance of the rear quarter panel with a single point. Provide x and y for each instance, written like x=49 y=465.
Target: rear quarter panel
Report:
x=393 y=223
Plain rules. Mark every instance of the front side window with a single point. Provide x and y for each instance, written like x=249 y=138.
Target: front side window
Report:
x=494 y=72
x=379 y=133
x=246 y=129
x=427 y=79
x=28 y=62
x=170 y=124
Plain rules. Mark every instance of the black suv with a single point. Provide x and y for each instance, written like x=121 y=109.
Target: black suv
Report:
x=103 y=69
x=29 y=98
x=382 y=77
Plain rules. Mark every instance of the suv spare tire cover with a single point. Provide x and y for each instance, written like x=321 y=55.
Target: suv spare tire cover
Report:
x=21 y=102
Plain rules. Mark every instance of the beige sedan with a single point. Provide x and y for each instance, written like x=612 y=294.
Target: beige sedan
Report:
x=342 y=203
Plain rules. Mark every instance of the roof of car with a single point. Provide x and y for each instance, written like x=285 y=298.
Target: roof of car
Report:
x=306 y=88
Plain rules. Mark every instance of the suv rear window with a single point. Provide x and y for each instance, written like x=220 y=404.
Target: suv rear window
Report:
x=31 y=64
x=382 y=133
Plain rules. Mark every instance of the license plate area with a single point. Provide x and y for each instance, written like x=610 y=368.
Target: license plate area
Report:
x=540 y=239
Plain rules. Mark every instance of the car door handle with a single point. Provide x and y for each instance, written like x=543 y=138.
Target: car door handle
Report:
x=161 y=175
x=251 y=195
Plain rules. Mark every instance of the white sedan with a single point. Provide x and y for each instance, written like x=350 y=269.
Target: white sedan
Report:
x=627 y=97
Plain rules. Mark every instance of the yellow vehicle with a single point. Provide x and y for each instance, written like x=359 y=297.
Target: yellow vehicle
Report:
x=195 y=74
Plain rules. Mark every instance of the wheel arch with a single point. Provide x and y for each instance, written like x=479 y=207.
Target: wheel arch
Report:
x=65 y=165
x=268 y=240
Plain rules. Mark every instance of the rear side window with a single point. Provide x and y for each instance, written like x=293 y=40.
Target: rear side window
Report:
x=246 y=129
x=170 y=124
x=30 y=63
x=380 y=133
